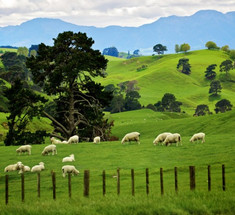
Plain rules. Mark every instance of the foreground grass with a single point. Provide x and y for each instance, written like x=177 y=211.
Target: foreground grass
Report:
x=181 y=204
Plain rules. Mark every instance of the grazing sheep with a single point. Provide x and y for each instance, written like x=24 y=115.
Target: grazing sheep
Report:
x=69 y=169
x=73 y=139
x=131 y=136
x=65 y=142
x=24 y=168
x=51 y=148
x=69 y=159
x=198 y=136
x=172 y=138
x=55 y=141
x=96 y=139
x=24 y=148
x=38 y=168
x=13 y=167
x=160 y=138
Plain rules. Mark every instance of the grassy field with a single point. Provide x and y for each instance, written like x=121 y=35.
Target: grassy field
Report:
x=218 y=149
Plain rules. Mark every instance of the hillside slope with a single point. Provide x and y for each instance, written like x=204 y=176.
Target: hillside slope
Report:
x=161 y=76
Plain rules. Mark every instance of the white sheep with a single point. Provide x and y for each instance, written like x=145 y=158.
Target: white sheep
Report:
x=198 y=136
x=131 y=136
x=64 y=142
x=24 y=168
x=69 y=159
x=160 y=138
x=24 y=148
x=172 y=138
x=96 y=139
x=13 y=167
x=38 y=168
x=69 y=169
x=51 y=148
x=55 y=141
x=73 y=139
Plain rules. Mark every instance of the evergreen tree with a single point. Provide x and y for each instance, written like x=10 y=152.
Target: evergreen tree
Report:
x=215 y=88
x=210 y=73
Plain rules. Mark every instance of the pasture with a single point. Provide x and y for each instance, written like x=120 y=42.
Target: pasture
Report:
x=109 y=156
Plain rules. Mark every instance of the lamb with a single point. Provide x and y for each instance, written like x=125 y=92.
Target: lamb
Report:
x=55 y=141
x=131 y=136
x=96 y=139
x=69 y=169
x=198 y=136
x=172 y=138
x=24 y=168
x=13 y=167
x=38 y=168
x=69 y=159
x=73 y=139
x=160 y=138
x=51 y=148
x=24 y=148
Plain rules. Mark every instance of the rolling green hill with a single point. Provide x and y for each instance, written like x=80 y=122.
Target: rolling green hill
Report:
x=161 y=76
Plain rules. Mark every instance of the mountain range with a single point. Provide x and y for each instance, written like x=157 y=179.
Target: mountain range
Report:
x=196 y=30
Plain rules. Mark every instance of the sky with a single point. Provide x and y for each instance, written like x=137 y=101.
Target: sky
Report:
x=102 y=13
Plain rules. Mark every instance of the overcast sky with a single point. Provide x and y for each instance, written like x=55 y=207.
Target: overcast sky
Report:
x=102 y=13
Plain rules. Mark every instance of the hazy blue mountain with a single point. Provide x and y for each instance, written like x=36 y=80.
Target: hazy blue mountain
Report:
x=196 y=30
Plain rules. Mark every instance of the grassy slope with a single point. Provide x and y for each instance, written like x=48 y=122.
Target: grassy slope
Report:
x=161 y=76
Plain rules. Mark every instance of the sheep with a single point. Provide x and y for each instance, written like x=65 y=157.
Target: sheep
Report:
x=55 y=141
x=73 y=139
x=160 y=138
x=24 y=148
x=172 y=138
x=198 y=136
x=13 y=167
x=69 y=159
x=38 y=168
x=131 y=136
x=69 y=169
x=24 y=168
x=51 y=148
x=96 y=139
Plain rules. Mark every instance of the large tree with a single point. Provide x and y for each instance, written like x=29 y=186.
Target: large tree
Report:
x=226 y=66
x=184 y=47
x=184 y=66
x=215 y=87
x=65 y=70
x=159 y=48
x=210 y=73
x=223 y=106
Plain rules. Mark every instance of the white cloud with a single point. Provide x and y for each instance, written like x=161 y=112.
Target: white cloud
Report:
x=104 y=12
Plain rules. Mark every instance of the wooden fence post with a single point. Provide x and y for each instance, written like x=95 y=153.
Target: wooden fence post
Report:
x=54 y=185
x=133 y=182
x=209 y=178
x=69 y=185
x=223 y=177
x=147 y=180
x=161 y=181
x=38 y=184
x=104 y=183
x=176 y=180
x=118 y=181
x=86 y=183
x=192 y=177
x=22 y=187
x=6 y=189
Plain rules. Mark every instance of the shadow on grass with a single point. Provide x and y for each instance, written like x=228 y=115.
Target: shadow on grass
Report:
x=212 y=98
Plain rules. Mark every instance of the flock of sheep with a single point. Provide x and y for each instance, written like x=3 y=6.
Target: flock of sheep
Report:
x=165 y=138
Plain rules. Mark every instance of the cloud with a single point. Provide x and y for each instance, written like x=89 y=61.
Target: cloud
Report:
x=104 y=12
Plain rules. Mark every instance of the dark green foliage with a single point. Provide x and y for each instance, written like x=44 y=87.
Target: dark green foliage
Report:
x=168 y=103
x=215 y=88
x=23 y=105
x=159 y=48
x=131 y=101
x=210 y=73
x=143 y=67
x=117 y=104
x=223 y=106
x=202 y=110
x=66 y=70
x=3 y=99
x=151 y=106
x=184 y=66
x=112 y=51
x=226 y=66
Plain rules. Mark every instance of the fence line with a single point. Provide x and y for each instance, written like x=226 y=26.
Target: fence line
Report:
x=192 y=180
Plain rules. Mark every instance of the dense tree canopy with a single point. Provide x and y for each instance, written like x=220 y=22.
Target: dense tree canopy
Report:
x=210 y=73
x=184 y=66
x=223 y=106
x=66 y=70
x=159 y=48
x=226 y=66
x=202 y=110
x=211 y=45
x=215 y=88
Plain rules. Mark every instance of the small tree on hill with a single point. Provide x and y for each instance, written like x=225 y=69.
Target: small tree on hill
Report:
x=210 y=73
x=159 y=48
x=112 y=51
x=184 y=47
x=131 y=101
x=232 y=56
x=211 y=45
x=223 y=106
x=226 y=66
x=225 y=48
x=177 y=48
x=215 y=88
x=184 y=66
x=202 y=110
